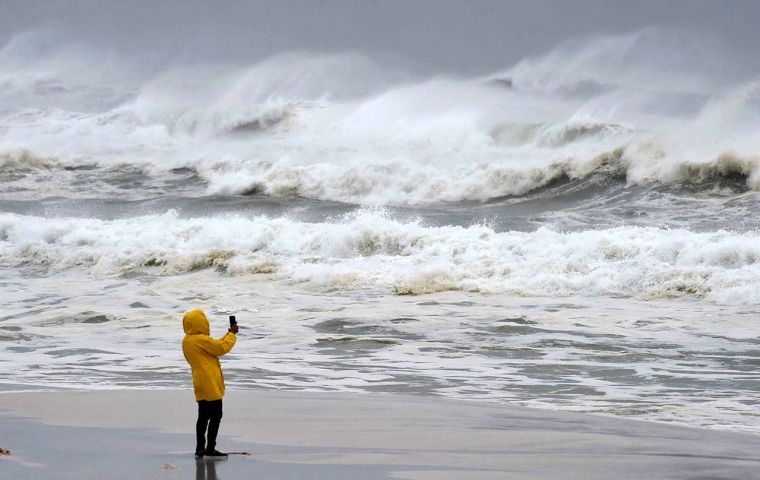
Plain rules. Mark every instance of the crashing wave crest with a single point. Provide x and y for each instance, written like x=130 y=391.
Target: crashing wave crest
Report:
x=340 y=127
x=370 y=250
x=22 y=159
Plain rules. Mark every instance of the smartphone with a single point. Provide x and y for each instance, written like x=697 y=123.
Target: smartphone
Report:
x=232 y=320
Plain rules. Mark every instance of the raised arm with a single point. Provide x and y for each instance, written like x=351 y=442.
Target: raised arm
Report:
x=219 y=346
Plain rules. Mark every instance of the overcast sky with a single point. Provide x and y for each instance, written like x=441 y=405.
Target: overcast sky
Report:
x=472 y=36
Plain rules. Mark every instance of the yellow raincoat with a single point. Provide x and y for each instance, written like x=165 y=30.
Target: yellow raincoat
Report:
x=202 y=353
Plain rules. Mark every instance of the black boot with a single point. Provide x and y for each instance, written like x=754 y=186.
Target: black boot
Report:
x=214 y=453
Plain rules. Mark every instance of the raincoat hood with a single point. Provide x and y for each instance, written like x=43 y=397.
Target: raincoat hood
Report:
x=195 y=323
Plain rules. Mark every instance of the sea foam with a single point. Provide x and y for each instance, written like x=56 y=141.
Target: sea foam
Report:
x=369 y=249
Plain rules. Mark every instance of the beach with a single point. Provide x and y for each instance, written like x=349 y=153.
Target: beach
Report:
x=149 y=434
x=461 y=239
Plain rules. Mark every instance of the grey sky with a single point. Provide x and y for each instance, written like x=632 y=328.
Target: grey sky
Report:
x=467 y=36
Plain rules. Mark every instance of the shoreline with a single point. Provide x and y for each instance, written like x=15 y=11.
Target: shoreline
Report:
x=296 y=434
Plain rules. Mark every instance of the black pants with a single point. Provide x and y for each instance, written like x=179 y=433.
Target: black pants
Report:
x=209 y=415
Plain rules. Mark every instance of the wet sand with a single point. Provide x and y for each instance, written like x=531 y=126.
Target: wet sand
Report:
x=149 y=434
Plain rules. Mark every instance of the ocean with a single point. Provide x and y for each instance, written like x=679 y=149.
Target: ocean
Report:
x=578 y=231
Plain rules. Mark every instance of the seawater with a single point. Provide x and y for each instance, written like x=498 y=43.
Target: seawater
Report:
x=566 y=233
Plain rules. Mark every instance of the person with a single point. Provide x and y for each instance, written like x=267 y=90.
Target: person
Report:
x=202 y=353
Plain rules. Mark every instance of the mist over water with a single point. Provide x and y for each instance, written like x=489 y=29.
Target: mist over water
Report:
x=340 y=127
x=602 y=194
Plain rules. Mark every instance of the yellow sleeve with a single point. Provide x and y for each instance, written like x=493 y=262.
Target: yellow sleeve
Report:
x=220 y=346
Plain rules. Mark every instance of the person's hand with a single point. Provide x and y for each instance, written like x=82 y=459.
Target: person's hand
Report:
x=234 y=329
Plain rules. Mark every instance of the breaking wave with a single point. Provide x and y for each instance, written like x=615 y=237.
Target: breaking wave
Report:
x=369 y=249
x=15 y=160
x=342 y=127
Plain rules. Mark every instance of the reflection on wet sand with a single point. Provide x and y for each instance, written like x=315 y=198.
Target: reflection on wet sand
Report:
x=205 y=468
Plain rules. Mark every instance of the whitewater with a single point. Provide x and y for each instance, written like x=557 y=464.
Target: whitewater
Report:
x=575 y=231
